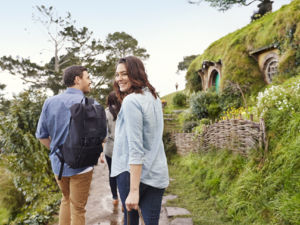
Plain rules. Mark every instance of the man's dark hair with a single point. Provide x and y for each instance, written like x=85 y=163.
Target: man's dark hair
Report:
x=71 y=72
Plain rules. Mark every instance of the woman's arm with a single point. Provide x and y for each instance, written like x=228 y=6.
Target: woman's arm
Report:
x=132 y=200
x=133 y=117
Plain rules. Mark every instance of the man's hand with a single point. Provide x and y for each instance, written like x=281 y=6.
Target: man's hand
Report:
x=46 y=142
x=132 y=201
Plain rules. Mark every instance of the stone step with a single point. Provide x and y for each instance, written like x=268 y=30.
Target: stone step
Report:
x=182 y=221
x=168 y=213
x=177 y=211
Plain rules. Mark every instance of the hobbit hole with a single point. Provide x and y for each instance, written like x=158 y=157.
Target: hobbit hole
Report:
x=267 y=58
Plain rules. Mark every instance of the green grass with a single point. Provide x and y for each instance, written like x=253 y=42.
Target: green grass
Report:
x=220 y=187
x=170 y=107
x=198 y=179
x=4 y=215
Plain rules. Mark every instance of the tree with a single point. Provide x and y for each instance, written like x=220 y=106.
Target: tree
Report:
x=117 y=45
x=263 y=7
x=72 y=45
x=4 y=103
x=184 y=65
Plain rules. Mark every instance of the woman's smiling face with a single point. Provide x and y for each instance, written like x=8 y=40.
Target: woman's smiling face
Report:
x=122 y=78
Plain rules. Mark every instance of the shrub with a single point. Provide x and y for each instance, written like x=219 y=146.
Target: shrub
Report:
x=10 y=198
x=27 y=159
x=214 y=111
x=280 y=107
x=278 y=97
x=230 y=97
x=186 y=116
x=200 y=103
x=189 y=125
x=204 y=121
x=179 y=100
x=169 y=145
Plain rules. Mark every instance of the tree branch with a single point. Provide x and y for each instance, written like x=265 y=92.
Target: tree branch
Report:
x=64 y=62
x=247 y=4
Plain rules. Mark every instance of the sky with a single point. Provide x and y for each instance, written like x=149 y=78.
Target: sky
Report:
x=167 y=29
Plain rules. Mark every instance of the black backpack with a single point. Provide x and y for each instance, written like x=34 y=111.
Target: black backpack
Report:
x=87 y=130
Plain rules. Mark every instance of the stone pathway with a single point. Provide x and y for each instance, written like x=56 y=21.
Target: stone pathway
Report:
x=176 y=212
x=100 y=210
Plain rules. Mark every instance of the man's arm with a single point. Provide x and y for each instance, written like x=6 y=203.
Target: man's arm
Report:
x=132 y=201
x=46 y=142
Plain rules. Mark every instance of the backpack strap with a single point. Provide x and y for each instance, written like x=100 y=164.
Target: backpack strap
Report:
x=87 y=101
x=62 y=162
x=91 y=101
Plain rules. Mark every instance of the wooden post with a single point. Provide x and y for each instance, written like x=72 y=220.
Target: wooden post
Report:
x=264 y=135
x=251 y=117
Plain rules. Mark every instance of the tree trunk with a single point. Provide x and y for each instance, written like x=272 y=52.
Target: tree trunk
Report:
x=56 y=62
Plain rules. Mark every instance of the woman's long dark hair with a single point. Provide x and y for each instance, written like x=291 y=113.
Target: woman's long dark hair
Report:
x=113 y=104
x=137 y=76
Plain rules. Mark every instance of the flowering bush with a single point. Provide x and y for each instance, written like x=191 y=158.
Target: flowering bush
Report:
x=163 y=102
x=283 y=98
x=233 y=113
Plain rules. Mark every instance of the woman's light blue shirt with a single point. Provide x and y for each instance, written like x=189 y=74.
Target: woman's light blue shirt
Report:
x=138 y=139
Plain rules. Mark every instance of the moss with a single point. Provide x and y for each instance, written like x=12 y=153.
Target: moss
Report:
x=287 y=60
x=281 y=28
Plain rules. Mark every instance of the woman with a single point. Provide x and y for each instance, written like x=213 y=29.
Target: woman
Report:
x=139 y=161
x=112 y=110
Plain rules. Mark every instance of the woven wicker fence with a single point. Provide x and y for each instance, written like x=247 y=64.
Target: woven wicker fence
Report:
x=236 y=134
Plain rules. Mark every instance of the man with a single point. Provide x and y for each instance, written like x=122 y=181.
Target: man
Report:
x=52 y=131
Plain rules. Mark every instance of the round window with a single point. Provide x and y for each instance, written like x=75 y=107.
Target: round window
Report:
x=271 y=69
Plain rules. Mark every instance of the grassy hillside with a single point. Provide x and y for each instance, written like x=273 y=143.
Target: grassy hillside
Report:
x=169 y=99
x=281 y=28
x=220 y=187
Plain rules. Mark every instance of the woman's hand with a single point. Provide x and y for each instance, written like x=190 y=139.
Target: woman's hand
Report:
x=132 y=201
x=101 y=159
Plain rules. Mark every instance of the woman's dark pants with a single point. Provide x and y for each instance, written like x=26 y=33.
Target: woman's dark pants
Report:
x=112 y=180
x=150 y=201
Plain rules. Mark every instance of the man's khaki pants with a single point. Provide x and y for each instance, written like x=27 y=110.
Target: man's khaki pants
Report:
x=75 y=192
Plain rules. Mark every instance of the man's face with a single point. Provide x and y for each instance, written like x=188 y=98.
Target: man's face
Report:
x=122 y=78
x=84 y=82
